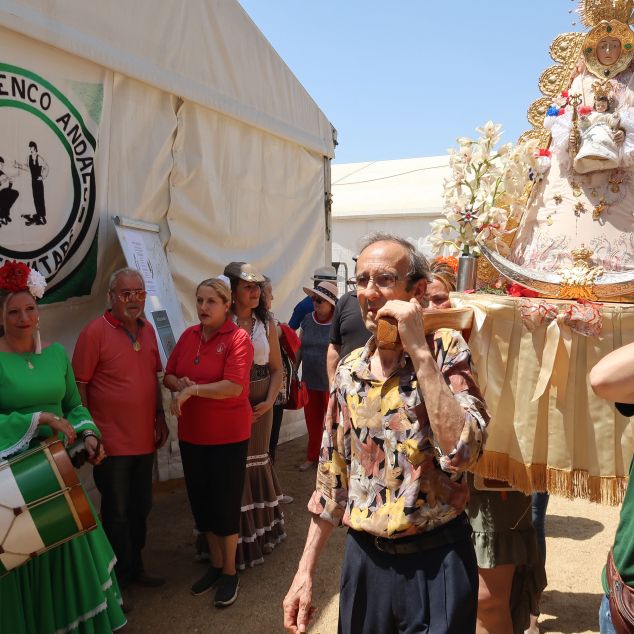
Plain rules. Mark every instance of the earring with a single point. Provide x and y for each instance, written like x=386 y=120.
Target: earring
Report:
x=38 y=339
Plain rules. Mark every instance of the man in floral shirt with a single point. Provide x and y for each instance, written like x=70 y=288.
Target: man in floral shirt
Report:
x=402 y=426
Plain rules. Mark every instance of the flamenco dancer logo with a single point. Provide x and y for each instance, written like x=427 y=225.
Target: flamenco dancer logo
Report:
x=47 y=183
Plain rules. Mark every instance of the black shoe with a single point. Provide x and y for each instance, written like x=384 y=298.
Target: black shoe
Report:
x=227 y=591
x=207 y=581
x=147 y=581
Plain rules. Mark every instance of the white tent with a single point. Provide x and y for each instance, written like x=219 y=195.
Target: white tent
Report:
x=400 y=197
x=189 y=119
x=179 y=114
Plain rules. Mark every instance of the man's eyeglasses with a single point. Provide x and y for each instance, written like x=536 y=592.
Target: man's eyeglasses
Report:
x=128 y=296
x=382 y=280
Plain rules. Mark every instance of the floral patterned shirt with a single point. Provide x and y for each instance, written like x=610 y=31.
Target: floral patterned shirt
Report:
x=380 y=469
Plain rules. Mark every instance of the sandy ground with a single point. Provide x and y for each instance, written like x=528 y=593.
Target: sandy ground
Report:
x=579 y=535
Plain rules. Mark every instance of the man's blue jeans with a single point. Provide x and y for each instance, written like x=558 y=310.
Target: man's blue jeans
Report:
x=540 y=503
x=605 y=620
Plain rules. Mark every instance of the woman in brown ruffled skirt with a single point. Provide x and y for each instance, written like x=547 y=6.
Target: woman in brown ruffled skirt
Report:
x=261 y=520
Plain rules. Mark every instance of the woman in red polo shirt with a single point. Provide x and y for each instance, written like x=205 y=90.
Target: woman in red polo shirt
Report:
x=208 y=371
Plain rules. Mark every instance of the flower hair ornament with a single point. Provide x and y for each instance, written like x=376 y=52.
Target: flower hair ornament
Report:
x=17 y=277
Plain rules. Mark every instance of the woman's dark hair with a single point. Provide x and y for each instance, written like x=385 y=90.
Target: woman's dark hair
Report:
x=260 y=310
x=33 y=144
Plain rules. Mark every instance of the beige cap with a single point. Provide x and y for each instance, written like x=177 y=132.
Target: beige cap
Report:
x=243 y=271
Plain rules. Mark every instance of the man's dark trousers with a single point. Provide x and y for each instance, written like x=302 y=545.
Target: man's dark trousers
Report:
x=433 y=591
x=125 y=484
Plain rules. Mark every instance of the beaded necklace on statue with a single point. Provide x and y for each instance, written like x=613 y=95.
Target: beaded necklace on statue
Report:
x=602 y=196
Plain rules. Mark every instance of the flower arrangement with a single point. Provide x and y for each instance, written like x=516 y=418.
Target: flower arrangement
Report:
x=449 y=260
x=485 y=190
x=17 y=276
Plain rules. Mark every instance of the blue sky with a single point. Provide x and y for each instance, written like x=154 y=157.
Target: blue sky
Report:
x=404 y=78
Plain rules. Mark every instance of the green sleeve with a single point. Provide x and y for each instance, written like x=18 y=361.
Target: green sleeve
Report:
x=16 y=431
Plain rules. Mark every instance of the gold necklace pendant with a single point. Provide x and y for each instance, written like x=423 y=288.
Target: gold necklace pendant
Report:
x=137 y=346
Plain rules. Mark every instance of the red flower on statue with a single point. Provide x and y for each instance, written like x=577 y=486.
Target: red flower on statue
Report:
x=14 y=277
x=584 y=111
x=517 y=290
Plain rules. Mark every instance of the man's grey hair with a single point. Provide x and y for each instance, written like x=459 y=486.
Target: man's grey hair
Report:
x=418 y=269
x=126 y=270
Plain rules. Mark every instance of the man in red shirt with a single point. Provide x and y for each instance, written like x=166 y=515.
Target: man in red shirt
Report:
x=116 y=361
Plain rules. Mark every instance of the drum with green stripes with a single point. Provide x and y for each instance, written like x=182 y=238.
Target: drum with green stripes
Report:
x=42 y=504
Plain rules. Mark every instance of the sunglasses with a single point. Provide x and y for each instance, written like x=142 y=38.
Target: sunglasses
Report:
x=128 y=296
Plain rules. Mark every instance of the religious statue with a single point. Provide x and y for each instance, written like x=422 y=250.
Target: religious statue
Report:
x=573 y=244
x=585 y=199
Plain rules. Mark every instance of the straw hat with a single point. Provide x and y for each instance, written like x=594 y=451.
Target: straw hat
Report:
x=325 y=290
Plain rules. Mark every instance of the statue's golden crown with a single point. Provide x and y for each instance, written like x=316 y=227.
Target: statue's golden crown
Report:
x=592 y=12
x=602 y=89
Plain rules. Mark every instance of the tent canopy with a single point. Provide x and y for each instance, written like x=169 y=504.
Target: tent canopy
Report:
x=405 y=187
x=206 y=51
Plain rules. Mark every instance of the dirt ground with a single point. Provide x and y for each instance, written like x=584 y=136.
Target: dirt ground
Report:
x=579 y=535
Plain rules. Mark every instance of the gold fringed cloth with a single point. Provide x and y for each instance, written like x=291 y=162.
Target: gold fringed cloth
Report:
x=548 y=430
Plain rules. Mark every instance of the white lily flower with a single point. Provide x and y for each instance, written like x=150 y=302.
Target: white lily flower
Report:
x=491 y=131
x=486 y=187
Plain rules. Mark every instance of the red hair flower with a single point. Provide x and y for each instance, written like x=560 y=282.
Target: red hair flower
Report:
x=584 y=111
x=14 y=277
x=517 y=290
x=543 y=152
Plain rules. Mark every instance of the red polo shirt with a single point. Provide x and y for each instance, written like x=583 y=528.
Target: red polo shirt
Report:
x=121 y=383
x=227 y=355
